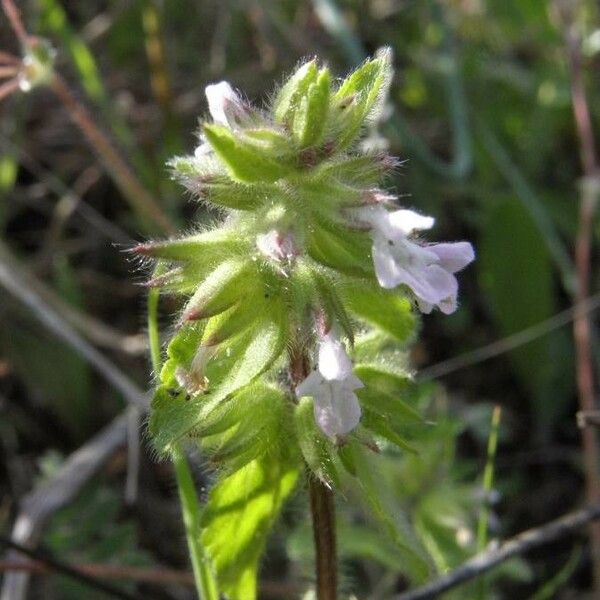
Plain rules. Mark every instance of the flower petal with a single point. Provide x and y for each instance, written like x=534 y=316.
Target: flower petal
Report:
x=223 y=103
x=402 y=261
x=453 y=256
x=406 y=221
x=386 y=268
x=448 y=305
x=334 y=362
x=311 y=386
x=337 y=410
x=277 y=246
x=429 y=282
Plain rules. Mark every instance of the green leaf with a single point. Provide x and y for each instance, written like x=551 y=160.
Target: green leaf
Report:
x=238 y=196
x=522 y=297
x=332 y=304
x=234 y=320
x=241 y=510
x=385 y=378
x=226 y=285
x=379 y=425
x=204 y=247
x=259 y=416
x=361 y=96
x=344 y=250
x=316 y=449
x=375 y=494
x=311 y=116
x=368 y=78
x=363 y=171
x=247 y=160
x=392 y=408
x=294 y=89
x=235 y=364
x=385 y=309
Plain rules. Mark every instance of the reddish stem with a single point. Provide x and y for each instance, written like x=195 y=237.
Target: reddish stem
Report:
x=581 y=325
x=16 y=22
x=322 y=506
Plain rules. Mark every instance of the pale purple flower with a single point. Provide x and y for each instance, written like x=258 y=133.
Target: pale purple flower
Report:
x=333 y=385
x=427 y=269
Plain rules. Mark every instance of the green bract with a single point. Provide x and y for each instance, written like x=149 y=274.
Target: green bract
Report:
x=285 y=263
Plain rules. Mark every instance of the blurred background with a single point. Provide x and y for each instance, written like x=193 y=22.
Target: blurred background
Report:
x=480 y=111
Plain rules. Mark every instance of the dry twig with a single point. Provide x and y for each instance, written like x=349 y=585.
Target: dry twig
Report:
x=38 y=506
x=532 y=538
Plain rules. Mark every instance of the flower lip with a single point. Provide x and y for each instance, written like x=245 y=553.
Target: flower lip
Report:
x=336 y=407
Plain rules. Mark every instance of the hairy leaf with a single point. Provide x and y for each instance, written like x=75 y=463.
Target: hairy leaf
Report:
x=311 y=116
x=236 y=364
x=289 y=96
x=248 y=161
x=384 y=309
x=240 y=512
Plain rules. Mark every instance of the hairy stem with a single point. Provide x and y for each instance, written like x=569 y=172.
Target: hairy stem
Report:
x=323 y=517
x=205 y=581
x=322 y=503
x=190 y=504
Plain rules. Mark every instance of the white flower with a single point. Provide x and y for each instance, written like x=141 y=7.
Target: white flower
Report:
x=428 y=270
x=277 y=246
x=332 y=385
x=334 y=362
x=225 y=106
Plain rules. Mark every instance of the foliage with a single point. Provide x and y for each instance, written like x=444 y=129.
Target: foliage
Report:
x=480 y=108
x=92 y=530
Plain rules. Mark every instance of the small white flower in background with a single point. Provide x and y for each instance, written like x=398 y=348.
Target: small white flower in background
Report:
x=332 y=385
x=225 y=107
x=277 y=246
x=428 y=270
